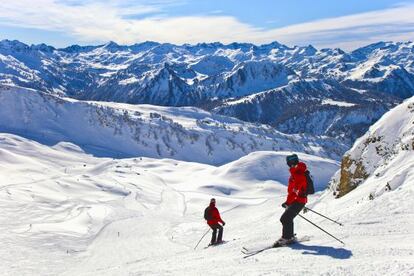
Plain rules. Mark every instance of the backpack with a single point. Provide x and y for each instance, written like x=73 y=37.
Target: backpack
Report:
x=207 y=214
x=310 y=189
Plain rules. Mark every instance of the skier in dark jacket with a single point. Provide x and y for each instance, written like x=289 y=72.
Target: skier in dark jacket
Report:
x=213 y=219
x=296 y=198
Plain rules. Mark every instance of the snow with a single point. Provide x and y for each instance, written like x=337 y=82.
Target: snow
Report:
x=79 y=196
x=68 y=212
x=393 y=134
x=243 y=99
x=361 y=91
x=338 y=103
x=123 y=130
x=209 y=74
x=65 y=212
x=252 y=77
x=71 y=206
x=128 y=81
x=86 y=68
x=380 y=205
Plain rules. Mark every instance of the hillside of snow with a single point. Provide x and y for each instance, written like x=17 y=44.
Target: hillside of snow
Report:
x=375 y=187
x=382 y=159
x=66 y=211
x=122 y=130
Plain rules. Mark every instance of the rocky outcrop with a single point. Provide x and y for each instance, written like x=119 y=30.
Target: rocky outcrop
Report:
x=353 y=173
x=388 y=146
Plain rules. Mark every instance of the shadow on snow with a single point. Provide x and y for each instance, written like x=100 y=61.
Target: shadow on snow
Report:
x=336 y=253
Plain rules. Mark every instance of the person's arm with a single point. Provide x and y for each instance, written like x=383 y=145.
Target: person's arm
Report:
x=218 y=217
x=300 y=180
x=290 y=193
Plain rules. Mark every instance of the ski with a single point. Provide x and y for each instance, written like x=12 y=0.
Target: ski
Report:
x=218 y=244
x=249 y=252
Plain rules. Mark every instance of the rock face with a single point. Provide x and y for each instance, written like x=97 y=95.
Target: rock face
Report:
x=352 y=174
x=384 y=155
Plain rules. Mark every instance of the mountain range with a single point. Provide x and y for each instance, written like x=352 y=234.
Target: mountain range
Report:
x=325 y=92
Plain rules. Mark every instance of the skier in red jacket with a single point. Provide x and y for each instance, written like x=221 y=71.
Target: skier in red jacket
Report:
x=296 y=198
x=212 y=215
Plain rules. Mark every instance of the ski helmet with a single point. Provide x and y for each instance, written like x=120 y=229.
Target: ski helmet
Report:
x=292 y=160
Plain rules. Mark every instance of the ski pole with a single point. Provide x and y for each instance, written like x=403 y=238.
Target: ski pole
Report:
x=324 y=216
x=322 y=229
x=202 y=238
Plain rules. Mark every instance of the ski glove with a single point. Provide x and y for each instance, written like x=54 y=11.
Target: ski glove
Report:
x=284 y=205
x=224 y=223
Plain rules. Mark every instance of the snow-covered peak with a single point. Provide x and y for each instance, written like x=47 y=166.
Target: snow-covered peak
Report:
x=42 y=47
x=13 y=45
x=399 y=53
x=363 y=52
x=212 y=65
x=208 y=74
x=76 y=49
x=307 y=51
x=205 y=45
x=250 y=77
x=274 y=45
x=143 y=46
x=112 y=46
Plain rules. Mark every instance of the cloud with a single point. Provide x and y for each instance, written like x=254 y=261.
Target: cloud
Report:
x=129 y=22
x=350 y=31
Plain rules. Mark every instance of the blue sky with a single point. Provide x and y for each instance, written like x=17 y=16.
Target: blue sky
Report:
x=345 y=24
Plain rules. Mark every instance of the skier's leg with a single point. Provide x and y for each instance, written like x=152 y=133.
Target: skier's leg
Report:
x=287 y=222
x=220 y=234
x=295 y=209
x=287 y=219
x=213 y=236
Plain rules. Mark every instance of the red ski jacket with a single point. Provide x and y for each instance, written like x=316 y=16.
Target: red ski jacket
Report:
x=297 y=185
x=215 y=216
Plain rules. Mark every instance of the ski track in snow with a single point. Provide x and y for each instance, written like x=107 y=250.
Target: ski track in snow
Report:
x=143 y=216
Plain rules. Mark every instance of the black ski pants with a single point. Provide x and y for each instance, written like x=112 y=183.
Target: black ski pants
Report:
x=214 y=237
x=287 y=219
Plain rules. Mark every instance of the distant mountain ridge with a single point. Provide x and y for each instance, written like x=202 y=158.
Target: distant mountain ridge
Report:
x=123 y=130
x=289 y=88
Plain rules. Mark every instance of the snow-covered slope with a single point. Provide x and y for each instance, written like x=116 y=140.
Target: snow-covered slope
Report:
x=373 y=192
x=65 y=211
x=119 y=130
x=383 y=158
